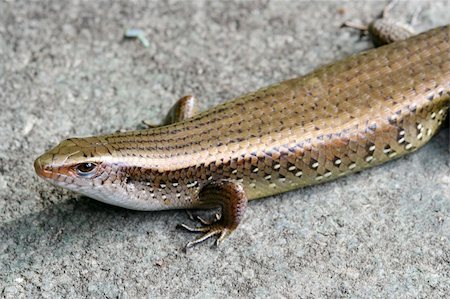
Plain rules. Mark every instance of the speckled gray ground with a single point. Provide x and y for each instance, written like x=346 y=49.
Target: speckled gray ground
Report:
x=65 y=70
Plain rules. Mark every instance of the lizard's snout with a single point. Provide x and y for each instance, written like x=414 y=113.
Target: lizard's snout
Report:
x=41 y=165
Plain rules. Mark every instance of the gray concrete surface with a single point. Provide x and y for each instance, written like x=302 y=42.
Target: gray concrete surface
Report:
x=65 y=70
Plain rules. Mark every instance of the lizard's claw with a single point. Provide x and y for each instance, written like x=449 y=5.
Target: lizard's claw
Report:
x=210 y=228
x=209 y=222
x=216 y=228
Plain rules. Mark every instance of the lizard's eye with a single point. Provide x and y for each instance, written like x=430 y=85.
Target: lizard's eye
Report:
x=85 y=169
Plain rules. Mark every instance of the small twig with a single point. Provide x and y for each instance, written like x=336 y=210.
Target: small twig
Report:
x=139 y=34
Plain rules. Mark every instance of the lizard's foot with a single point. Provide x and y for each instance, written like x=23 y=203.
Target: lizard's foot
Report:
x=210 y=229
x=184 y=108
x=384 y=30
x=147 y=124
x=233 y=201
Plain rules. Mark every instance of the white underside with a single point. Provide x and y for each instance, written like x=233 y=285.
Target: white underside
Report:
x=115 y=196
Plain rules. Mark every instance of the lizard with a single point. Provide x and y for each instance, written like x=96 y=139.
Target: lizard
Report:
x=362 y=111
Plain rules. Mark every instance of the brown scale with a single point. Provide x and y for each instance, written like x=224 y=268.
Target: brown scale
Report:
x=344 y=117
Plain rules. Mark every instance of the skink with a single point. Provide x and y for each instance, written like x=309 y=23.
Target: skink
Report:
x=344 y=117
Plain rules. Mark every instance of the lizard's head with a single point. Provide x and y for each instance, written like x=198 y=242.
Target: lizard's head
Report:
x=86 y=166
x=77 y=164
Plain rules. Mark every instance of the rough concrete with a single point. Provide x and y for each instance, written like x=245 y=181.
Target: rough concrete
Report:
x=65 y=70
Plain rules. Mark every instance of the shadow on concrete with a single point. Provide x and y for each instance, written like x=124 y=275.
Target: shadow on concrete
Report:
x=52 y=233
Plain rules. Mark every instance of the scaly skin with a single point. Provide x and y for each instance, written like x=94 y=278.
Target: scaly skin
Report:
x=342 y=118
